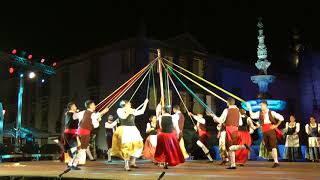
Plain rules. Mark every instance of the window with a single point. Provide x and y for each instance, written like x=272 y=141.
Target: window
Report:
x=197 y=107
x=186 y=99
x=198 y=66
x=127 y=60
x=183 y=62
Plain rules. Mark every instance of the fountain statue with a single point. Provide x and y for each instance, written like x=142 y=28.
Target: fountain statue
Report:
x=263 y=79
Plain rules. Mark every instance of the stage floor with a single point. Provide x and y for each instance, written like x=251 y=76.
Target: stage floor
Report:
x=190 y=170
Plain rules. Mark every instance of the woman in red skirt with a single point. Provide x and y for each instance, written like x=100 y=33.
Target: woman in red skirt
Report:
x=168 y=151
x=245 y=137
x=151 y=142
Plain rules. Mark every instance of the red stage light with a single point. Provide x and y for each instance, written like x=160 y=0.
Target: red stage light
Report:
x=42 y=60
x=14 y=51
x=11 y=70
x=54 y=64
x=30 y=56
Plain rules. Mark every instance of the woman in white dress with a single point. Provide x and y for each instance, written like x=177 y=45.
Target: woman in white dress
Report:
x=313 y=131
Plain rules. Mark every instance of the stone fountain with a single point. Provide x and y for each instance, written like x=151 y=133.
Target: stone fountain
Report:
x=263 y=79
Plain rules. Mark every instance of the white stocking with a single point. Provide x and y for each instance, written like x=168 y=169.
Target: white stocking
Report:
x=274 y=155
x=236 y=147
x=232 y=156
x=204 y=149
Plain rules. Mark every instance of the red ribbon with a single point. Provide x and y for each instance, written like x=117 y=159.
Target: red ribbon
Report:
x=267 y=127
x=70 y=131
x=83 y=132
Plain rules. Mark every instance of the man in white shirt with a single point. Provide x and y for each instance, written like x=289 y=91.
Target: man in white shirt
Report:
x=231 y=117
x=110 y=126
x=88 y=119
x=270 y=121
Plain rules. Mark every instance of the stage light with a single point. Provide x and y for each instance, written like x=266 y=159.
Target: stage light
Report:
x=32 y=75
x=11 y=70
x=21 y=75
x=54 y=64
x=42 y=60
x=14 y=51
x=30 y=56
x=3 y=112
x=43 y=80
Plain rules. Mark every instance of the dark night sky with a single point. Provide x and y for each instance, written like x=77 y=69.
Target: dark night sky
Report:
x=225 y=27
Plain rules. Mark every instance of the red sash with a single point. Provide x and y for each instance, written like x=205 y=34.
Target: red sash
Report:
x=83 y=132
x=70 y=131
x=230 y=130
x=267 y=127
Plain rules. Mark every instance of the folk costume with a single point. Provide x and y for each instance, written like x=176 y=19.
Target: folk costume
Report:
x=292 y=150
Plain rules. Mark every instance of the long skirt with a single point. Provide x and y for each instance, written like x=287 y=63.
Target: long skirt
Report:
x=168 y=149
x=313 y=150
x=127 y=142
x=222 y=145
x=292 y=149
x=242 y=154
x=150 y=147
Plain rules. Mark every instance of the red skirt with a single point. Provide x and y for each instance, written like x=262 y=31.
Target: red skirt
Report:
x=242 y=155
x=168 y=149
x=148 y=149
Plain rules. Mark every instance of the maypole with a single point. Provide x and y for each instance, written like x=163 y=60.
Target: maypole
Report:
x=161 y=77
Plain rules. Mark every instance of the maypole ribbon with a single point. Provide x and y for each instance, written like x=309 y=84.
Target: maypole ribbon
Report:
x=134 y=93
x=122 y=88
x=190 y=91
x=151 y=65
x=198 y=84
x=208 y=82
x=177 y=91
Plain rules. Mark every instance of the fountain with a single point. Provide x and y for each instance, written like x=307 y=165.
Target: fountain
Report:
x=263 y=79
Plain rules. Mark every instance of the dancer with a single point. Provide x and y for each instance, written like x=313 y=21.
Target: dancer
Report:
x=292 y=150
x=151 y=142
x=244 y=135
x=110 y=126
x=178 y=114
x=313 y=131
x=70 y=136
x=232 y=118
x=270 y=121
x=168 y=151
x=127 y=142
x=222 y=143
x=88 y=119
x=203 y=134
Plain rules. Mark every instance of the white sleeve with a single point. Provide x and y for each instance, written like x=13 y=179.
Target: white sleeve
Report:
x=307 y=129
x=78 y=115
x=222 y=118
x=148 y=127
x=141 y=111
x=240 y=120
x=297 y=127
x=158 y=110
x=94 y=118
x=110 y=125
x=176 y=125
x=199 y=119
x=160 y=119
x=255 y=115
x=318 y=128
x=121 y=113
x=286 y=128
x=277 y=116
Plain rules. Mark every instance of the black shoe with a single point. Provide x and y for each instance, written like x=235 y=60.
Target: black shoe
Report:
x=92 y=159
x=223 y=162
x=241 y=165
x=75 y=168
x=165 y=166
x=134 y=166
x=275 y=165
x=231 y=167
x=247 y=147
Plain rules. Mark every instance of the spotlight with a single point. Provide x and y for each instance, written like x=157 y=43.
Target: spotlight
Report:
x=11 y=70
x=32 y=75
x=3 y=112
x=42 y=60
x=21 y=75
x=14 y=51
x=43 y=81
x=54 y=64
x=30 y=56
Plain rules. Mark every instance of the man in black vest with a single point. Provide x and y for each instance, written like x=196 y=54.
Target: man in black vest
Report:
x=270 y=121
x=70 y=135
